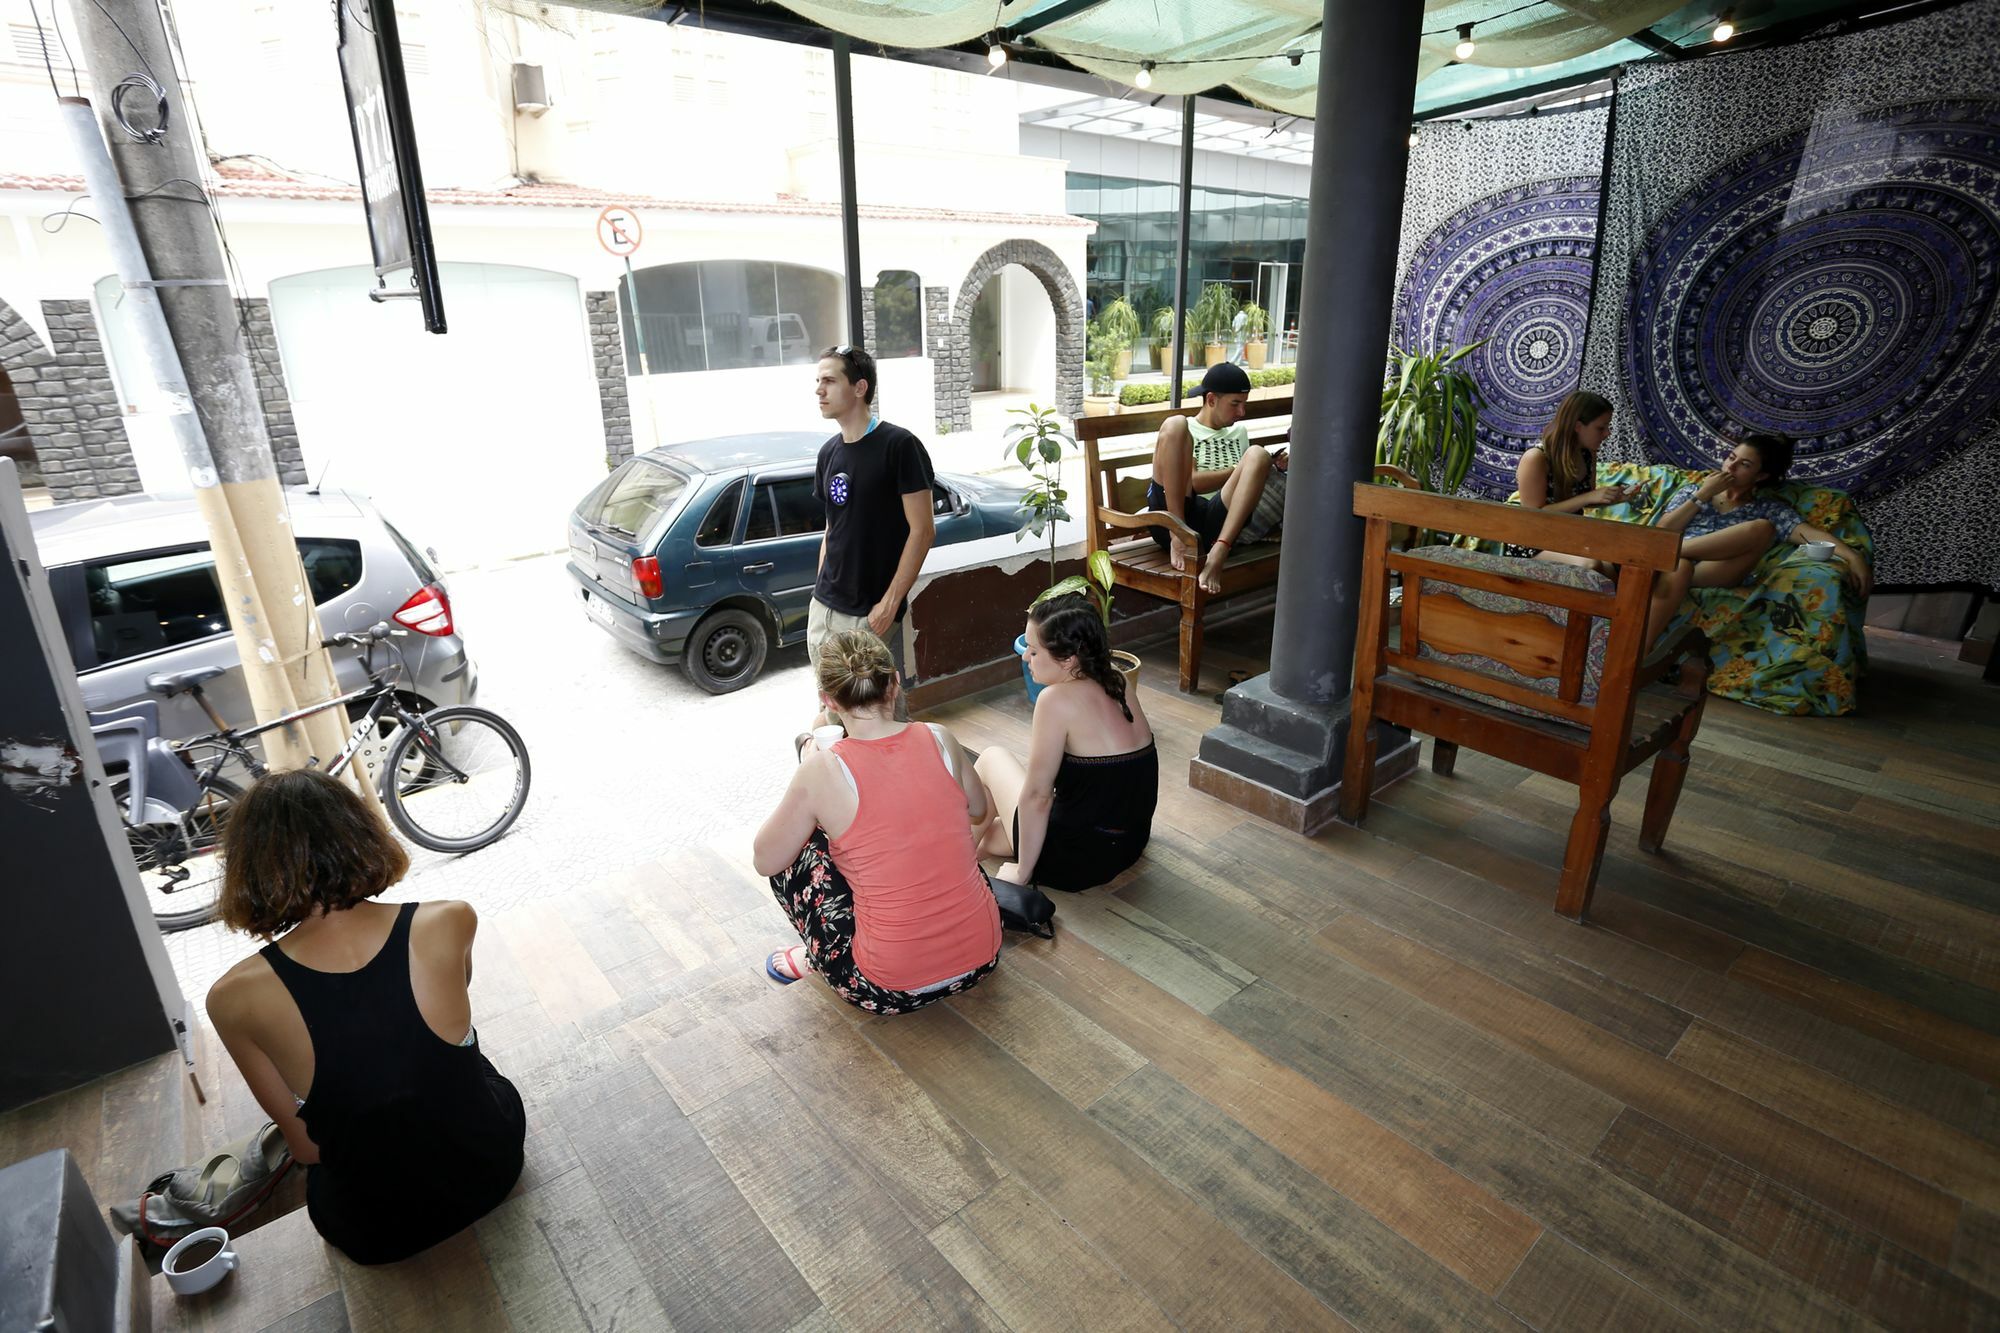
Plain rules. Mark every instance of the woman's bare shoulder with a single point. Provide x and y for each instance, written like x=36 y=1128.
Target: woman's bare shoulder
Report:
x=240 y=989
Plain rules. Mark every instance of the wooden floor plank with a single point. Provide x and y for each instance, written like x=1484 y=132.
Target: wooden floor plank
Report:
x=1882 y=1281
x=1908 y=1211
x=560 y=1264
x=447 y=1288
x=1065 y=1050
x=1198 y=1272
x=1033 y=1270
x=283 y=1270
x=1707 y=1279
x=1877 y=1066
x=1446 y=1215
x=1183 y=968
x=866 y=1104
x=1560 y=1289
x=562 y=975
x=1336 y=1249
x=843 y=1232
x=1953 y=1161
x=1918 y=1030
x=1976 y=1254
x=710 y=1261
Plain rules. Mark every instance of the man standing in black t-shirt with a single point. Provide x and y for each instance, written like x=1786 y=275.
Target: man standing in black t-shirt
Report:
x=875 y=481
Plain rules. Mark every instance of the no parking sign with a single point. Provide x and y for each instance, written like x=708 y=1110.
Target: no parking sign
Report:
x=618 y=231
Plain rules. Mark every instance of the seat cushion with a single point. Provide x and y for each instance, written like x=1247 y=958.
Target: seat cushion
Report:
x=1542 y=571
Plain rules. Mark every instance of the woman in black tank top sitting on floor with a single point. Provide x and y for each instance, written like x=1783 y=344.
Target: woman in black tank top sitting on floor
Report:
x=354 y=1030
x=1081 y=810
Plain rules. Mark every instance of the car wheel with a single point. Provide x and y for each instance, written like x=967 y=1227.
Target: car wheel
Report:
x=726 y=650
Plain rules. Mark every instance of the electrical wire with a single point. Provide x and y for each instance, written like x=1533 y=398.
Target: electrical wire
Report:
x=55 y=16
x=162 y=115
x=47 y=64
x=128 y=39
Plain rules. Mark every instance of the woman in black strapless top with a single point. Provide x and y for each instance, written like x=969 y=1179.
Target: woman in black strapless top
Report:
x=407 y=1132
x=1080 y=811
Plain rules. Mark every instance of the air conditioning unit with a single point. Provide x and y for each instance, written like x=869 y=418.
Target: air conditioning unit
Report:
x=531 y=90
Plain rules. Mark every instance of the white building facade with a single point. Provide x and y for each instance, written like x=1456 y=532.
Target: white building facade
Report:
x=528 y=128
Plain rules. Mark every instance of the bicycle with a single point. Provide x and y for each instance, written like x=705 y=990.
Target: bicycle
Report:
x=460 y=776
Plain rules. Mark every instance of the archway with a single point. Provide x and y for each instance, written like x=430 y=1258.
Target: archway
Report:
x=954 y=378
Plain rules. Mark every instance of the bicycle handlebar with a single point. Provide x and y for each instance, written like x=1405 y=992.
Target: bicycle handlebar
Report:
x=374 y=634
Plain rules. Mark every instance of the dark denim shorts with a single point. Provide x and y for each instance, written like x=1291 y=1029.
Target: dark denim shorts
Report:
x=1203 y=513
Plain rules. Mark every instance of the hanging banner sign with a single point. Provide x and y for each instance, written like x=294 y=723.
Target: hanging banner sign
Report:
x=385 y=147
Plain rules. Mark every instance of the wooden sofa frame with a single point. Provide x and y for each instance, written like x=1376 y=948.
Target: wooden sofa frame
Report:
x=1635 y=715
x=1136 y=561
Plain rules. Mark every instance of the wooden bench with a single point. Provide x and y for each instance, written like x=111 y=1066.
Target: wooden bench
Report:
x=1592 y=743
x=1136 y=561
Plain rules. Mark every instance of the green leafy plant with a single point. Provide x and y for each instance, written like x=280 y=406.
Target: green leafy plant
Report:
x=1276 y=375
x=1163 y=325
x=1430 y=413
x=1100 y=356
x=1214 y=313
x=1255 y=322
x=1141 y=395
x=1094 y=582
x=1037 y=445
x=1120 y=323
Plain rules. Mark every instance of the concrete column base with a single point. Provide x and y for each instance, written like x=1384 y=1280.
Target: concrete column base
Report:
x=1281 y=759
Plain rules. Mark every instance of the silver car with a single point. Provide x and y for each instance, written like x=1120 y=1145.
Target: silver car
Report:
x=134 y=583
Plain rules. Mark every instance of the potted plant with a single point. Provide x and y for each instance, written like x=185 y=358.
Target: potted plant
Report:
x=1430 y=417
x=1037 y=445
x=1163 y=337
x=1099 y=349
x=1213 y=315
x=1120 y=323
x=1255 y=322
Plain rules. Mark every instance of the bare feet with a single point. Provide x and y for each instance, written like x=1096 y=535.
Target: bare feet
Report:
x=1211 y=569
x=1178 y=553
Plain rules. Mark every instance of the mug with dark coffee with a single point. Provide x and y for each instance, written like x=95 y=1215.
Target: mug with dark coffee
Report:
x=198 y=1261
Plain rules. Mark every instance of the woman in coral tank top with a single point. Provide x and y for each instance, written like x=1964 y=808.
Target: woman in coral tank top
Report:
x=871 y=850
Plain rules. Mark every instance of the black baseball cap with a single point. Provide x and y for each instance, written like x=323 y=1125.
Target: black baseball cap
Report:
x=1225 y=377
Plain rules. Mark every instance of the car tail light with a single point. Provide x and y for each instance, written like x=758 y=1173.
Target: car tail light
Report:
x=646 y=571
x=428 y=612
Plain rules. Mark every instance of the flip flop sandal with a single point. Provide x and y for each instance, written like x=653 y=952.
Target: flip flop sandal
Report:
x=771 y=965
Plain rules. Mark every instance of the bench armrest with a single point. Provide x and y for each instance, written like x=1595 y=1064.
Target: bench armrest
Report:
x=1152 y=518
x=1397 y=475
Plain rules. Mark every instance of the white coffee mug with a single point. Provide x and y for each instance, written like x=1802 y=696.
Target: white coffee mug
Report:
x=1817 y=550
x=186 y=1282
x=824 y=738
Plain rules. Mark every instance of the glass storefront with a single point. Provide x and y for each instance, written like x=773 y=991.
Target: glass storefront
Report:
x=1256 y=243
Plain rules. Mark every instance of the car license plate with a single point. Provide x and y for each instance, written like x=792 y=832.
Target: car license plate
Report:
x=597 y=609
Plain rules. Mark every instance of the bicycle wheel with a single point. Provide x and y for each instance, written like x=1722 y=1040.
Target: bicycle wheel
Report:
x=456 y=781
x=178 y=865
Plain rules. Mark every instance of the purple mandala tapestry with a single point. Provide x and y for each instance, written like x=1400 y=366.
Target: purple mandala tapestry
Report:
x=1511 y=271
x=1805 y=239
x=1836 y=285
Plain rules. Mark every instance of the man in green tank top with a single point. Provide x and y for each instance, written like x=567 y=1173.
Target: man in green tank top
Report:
x=1208 y=474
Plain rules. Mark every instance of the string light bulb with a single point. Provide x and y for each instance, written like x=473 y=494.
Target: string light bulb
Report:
x=1144 y=78
x=1413 y=138
x=1725 y=27
x=1466 y=46
x=996 y=52
x=1295 y=57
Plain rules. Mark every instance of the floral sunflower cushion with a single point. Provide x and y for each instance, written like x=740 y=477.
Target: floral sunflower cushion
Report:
x=1543 y=571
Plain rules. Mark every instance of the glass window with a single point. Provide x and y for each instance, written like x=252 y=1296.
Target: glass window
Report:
x=799 y=511
x=412 y=554
x=899 y=315
x=730 y=314
x=633 y=496
x=763 y=523
x=152 y=602
x=718 y=528
x=332 y=567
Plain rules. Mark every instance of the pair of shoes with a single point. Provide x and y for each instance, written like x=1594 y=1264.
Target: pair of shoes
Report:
x=797 y=971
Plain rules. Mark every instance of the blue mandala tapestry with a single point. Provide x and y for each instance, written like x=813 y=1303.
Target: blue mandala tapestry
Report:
x=1499 y=242
x=1806 y=240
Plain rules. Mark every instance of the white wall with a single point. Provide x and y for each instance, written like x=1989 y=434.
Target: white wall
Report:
x=1027 y=333
x=1099 y=154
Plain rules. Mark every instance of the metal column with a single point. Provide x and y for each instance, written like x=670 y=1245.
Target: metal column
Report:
x=850 y=208
x=1181 y=251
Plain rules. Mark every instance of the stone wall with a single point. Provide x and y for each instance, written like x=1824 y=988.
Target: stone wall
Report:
x=271 y=391
x=607 y=354
x=67 y=399
x=951 y=362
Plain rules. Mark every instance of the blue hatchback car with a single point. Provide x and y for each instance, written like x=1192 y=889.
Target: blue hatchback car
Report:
x=705 y=553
